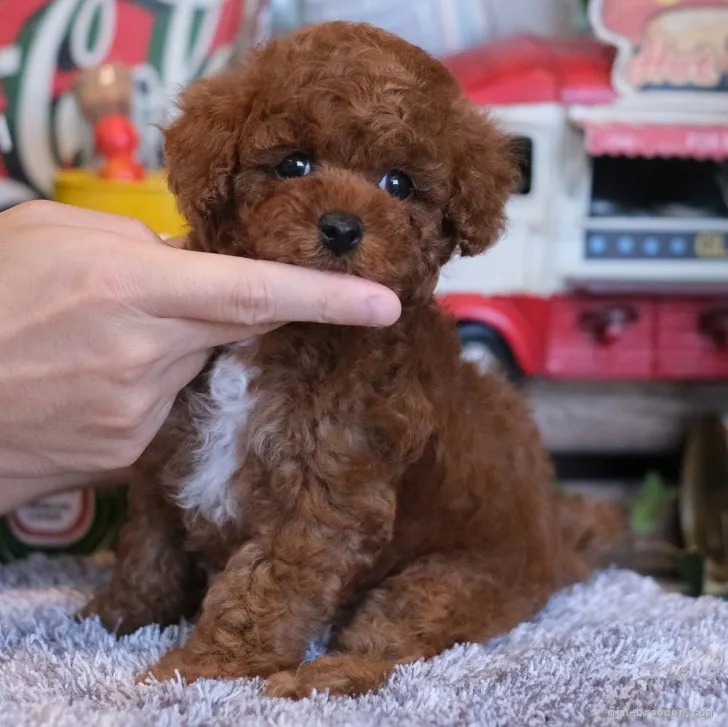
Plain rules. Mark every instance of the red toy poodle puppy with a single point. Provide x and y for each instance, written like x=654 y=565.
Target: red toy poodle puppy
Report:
x=363 y=480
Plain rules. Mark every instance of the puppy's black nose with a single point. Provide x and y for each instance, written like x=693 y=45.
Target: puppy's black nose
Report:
x=340 y=232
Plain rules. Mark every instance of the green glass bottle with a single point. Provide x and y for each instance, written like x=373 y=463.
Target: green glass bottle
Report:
x=80 y=522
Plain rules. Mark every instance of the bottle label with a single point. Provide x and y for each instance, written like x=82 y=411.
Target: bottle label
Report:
x=56 y=521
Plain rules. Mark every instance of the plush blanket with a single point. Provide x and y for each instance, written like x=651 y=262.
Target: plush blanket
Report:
x=615 y=650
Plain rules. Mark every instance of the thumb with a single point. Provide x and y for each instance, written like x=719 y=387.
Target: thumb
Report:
x=222 y=289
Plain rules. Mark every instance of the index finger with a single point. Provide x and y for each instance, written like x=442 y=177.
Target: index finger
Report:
x=238 y=291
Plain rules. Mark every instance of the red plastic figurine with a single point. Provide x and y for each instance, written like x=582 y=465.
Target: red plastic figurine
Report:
x=117 y=141
x=104 y=96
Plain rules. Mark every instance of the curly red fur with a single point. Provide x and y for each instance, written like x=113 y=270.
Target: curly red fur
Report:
x=381 y=486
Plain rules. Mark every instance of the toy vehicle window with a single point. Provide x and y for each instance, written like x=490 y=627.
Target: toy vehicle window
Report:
x=638 y=187
x=523 y=146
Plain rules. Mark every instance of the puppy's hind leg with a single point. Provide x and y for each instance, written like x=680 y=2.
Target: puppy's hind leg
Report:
x=434 y=603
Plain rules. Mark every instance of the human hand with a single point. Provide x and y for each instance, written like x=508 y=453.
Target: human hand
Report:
x=102 y=324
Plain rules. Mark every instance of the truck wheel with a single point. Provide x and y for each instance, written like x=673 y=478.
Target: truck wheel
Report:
x=484 y=346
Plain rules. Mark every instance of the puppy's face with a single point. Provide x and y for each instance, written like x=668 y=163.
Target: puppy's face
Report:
x=340 y=148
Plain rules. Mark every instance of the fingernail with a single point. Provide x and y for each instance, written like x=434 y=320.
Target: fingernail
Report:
x=384 y=310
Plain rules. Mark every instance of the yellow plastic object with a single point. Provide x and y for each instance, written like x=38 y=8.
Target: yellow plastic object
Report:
x=148 y=200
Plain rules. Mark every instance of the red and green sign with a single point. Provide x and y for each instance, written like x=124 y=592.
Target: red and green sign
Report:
x=43 y=44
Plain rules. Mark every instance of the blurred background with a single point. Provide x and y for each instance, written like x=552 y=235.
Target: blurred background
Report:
x=440 y=27
x=45 y=44
x=607 y=299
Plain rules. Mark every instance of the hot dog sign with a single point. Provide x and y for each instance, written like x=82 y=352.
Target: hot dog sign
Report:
x=665 y=45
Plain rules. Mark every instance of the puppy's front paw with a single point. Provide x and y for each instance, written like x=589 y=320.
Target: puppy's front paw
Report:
x=178 y=663
x=169 y=667
x=333 y=674
x=114 y=617
x=284 y=684
x=303 y=682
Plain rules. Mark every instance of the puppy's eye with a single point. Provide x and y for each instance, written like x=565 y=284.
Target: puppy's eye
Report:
x=398 y=184
x=296 y=165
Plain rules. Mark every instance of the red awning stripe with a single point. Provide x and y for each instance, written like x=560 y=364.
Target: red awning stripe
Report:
x=656 y=140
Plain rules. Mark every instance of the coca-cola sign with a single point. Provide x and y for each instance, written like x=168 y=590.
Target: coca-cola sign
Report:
x=44 y=43
x=666 y=45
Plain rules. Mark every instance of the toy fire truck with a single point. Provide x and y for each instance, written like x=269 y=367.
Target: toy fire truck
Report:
x=615 y=263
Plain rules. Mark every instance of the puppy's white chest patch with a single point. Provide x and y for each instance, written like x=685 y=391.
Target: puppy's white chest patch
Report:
x=220 y=418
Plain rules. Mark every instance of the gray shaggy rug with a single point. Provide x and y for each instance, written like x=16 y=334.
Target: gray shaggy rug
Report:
x=616 y=650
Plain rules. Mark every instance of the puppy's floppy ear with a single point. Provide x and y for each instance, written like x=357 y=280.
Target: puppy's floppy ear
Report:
x=201 y=144
x=484 y=176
